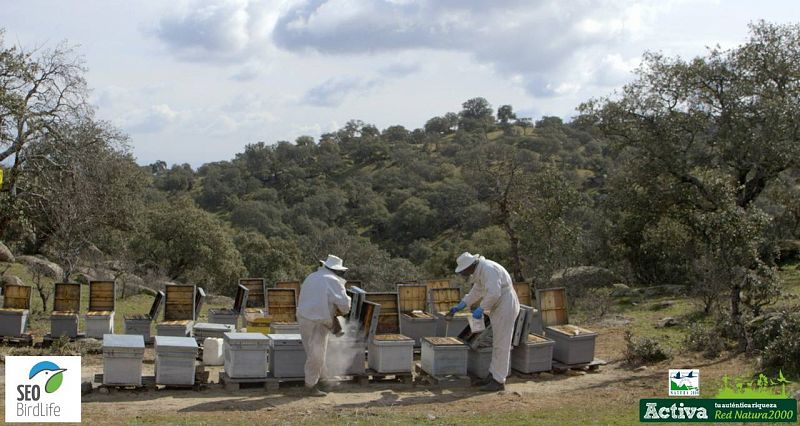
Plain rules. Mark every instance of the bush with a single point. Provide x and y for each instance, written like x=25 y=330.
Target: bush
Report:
x=705 y=340
x=595 y=304
x=780 y=336
x=643 y=350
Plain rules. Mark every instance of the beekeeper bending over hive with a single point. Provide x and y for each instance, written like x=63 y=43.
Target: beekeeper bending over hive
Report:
x=322 y=296
x=492 y=286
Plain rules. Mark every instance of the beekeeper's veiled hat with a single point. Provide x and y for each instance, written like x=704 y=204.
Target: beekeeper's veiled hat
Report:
x=465 y=261
x=333 y=262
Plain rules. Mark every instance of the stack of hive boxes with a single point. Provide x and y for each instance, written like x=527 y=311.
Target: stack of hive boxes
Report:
x=16 y=308
x=573 y=344
x=282 y=308
x=255 y=309
x=231 y=316
x=66 y=308
x=100 y=316
x=415 y=321
x=179 y=310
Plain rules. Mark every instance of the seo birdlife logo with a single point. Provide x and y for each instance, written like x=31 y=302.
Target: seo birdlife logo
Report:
x=43 y=389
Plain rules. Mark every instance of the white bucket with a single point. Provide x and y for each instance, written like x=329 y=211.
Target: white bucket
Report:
x=212 y=351
x=476 y=325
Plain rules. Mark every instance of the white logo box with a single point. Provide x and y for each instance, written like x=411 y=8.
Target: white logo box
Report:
x=27 y=399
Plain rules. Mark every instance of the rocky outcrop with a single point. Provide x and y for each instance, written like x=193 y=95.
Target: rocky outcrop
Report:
x=42 y=266
x=5 y=254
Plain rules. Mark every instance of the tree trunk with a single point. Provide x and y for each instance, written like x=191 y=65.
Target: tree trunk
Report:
x=736 y=317
x=516 y=259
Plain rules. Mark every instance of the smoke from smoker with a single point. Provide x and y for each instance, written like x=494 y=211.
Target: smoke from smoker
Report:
x=340 y=355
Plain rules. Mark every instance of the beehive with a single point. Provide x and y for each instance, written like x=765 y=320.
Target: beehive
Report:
x=140 y=323
x=100 y=316
x=534 y=355
x=16 y=309
x=122 y=359
x=357 y=296
x=415 y=322
x=573 y=345
x=175 y=360
x=389 y=321
x=287 y=358
x=203 y=330
x=345 y=356
x=442 y=356
x=440 y=301
x=257 y=292
x=259 y=323
x=282 y=305
x=179 y=310
x=391 y=353
x=66 y=307
x=245 y=354
x=230 y=316
x=294 y=285
x=478 y=361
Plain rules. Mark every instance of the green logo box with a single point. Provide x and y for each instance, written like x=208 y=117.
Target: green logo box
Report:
x=717 y=410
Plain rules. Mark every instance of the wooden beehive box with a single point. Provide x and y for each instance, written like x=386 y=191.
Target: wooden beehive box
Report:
x=101 y=296
x=412 y=298
x=17 y=297
x=389 y=319
x=438 y=283
x=257 y=297
x=179 y=302
x=282 y=304
x=295 y=285
x=552 y=304
x=442 y=299
x=67 y=298
x=523 y=293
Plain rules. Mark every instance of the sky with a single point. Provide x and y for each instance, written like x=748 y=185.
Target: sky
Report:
x=195 y=81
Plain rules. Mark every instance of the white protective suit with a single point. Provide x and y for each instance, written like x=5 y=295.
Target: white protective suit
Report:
x=494 y=288
x=321 y=294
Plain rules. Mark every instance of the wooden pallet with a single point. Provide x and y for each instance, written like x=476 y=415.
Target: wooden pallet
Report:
x=234 y=384
x=406 y=378
x=453 y=381
x=149 y=382
x=594 y=365
x=48 y=339
x=23 y=340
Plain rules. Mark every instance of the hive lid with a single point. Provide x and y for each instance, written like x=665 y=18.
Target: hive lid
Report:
x=188 y=344
x=17 y=296
x=102 y=295
x=523 y=291
x=412 y=297
x=242 y=293
x=443 y=341
x=257 y=295
x=552 y=303
x=571 y=330
x=179 y=302
x=123 y=341
x=67 y=297
x=235 y=337
x=207 y=326
x=357 y=296
x=156 y=306
x=199 y=299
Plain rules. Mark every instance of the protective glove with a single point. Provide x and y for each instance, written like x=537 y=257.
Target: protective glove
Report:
x=477 y=313
x=461 y=305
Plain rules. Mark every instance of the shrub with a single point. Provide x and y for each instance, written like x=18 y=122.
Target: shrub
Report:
x=780 y=337
x=705 y=340
x=643 y=350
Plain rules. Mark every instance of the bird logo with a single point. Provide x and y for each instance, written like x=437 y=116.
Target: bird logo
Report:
x=49 y=373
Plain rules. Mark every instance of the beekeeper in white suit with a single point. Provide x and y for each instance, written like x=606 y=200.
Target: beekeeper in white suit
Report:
x=322 y=296
x=492 y=286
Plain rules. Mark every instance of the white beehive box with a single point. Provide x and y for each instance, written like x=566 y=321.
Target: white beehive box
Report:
x=175 y=360
x=533 y=355
x=442 y=356
x=100 y=316
x=140 y=323
x=245 y=354
x=285 y=328
x=478 y=360
x=16 y=309
x=391 y=353
x=287 y=358
x=573 y=344
x=122 y=359
x=66 y=307
x=202 y=330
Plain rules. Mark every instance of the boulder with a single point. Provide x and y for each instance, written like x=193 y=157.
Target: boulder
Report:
x=664 y=290
x=621 y=290
x=219 y=300
x=581 y=277
x=5 y=254
x=12 y=279
x=42 y=266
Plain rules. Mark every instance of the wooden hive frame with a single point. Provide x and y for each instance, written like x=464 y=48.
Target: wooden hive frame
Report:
x=293 y=285
x=523 y=291
x=17 y=297
x=179 y=302
x=199 y=300
x=102 y=296
x=552 y=303
x=240 y=300
x=282 y=304
x=389 y=317
x=67 y=298
x=257 y=298
x=442 y=299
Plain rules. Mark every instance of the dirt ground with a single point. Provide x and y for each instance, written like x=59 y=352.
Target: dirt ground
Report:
x=609 y=396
